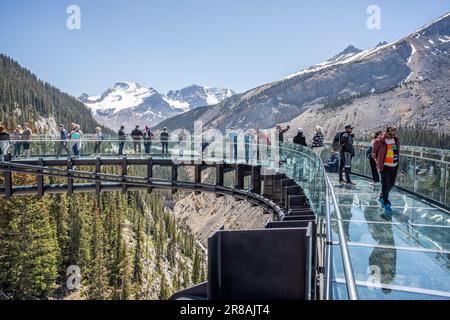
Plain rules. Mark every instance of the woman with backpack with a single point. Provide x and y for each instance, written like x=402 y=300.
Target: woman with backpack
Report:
x=373 y=165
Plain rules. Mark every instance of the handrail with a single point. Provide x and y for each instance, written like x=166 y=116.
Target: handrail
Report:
x=348 y=269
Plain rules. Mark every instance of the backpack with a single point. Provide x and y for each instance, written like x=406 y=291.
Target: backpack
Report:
x=337 y=141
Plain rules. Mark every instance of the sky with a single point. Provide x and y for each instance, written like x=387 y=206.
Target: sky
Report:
x=169 y=44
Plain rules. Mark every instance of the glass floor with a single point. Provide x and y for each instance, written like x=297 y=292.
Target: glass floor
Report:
x=406 y=257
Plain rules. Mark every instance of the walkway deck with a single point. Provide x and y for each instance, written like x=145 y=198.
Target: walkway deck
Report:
x=407 y=257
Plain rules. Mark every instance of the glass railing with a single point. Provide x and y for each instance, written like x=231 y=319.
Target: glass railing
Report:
x=297 y=162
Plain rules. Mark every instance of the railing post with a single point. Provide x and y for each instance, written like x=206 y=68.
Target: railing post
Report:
x=198 y=175
x=174 y=176
x=40 y=179
x=69 y=180
x=98 y=169
x=149 y=173
x=219 y=177
x=124 y=174
x=239 y=176
x=445 y=186
x=8 y=178
x=256 y=179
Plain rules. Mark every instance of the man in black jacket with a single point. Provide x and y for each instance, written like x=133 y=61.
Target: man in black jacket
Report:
x=164 y=137
x=122 y=136
x=300 y=138
x=137 y=136
x=347 y=152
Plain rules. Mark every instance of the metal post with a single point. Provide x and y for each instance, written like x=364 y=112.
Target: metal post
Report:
x=174 y=176
x=98 y=169
x=69 y=180
x=239 y=176
x=445 y=186
x=198 y=175
x=149 y=173
x=219 y=177
x=40 y=179
x=256 y=179
x=124 y=174
x=8 y=178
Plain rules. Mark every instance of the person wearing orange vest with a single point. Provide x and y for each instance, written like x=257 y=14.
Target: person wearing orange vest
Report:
x=386 y=153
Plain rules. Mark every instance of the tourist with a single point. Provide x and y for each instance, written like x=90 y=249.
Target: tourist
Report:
x=122 y=137
x=233 y=138
x=164 y=138
x=300 y=138
x=386 y=153
x=148 y=136
x=347 y=152
x=281 y=133
x=317 y=141
x=182 y=142
x=332 y=163
x=26 y=138
x=62 y=141
x=137 y=136
x=4 y=142
x=76 y=136
x=373 y=165
x=98 y=141
x=17 y=137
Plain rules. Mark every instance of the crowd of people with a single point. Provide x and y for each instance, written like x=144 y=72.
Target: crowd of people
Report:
x=383 y=153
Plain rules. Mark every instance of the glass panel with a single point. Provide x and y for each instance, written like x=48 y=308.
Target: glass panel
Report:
x=407 y=268
x=370 y=293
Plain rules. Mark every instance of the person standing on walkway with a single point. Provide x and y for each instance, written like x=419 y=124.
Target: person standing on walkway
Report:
x=373 y=165
x=26 y=137
x=122 y=137
x=182 y=142
x=137 y=136
x=148 y=136
x=300 y=138
x=98 y=141
x=76 y=136
x=233 y=137
x=17 y=137
x=164 y=137
x=63 y=141
x=4 y=142
x=317 y=141
x=346 y=154
x=281 y=133
x=386 y=153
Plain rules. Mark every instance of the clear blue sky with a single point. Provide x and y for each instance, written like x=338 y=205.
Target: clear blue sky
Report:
x=168 y=44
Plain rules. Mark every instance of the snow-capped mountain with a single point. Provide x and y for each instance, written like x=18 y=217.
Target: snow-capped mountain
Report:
x=403 y=82
x=197 y=96
x=129 y=103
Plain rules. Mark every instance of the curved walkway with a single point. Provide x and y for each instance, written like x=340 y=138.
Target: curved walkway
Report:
x=407 y=257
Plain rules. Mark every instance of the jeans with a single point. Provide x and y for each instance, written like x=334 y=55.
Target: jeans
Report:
x=165 y=147
x=345 y=164
x=97 y=148
x=61 y=146
x=121 y=146
x=147 y=147
x=375 y=174
x=17 y=146
x=137 y=146
x=76 y=150
x=388 y=177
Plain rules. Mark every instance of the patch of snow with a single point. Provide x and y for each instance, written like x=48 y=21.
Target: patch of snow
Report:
x=447 y=39
x=431 y=41
x=178 y=104
x=413 y=51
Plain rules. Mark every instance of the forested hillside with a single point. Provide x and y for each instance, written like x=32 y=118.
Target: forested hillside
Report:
x=126 y=246
x=25 y=98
